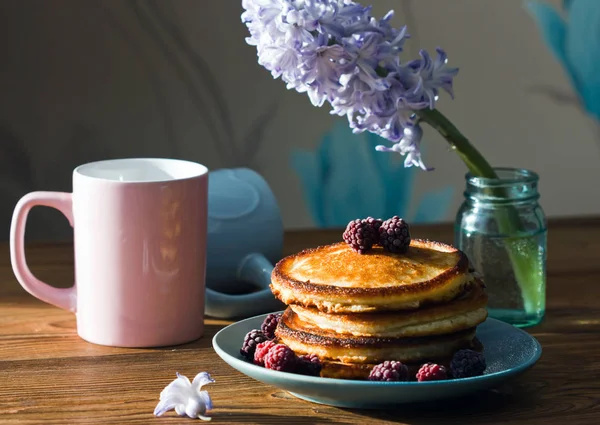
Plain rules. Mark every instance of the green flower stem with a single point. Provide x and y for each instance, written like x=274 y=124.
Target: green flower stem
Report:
x=474 y=161
x=523 y=254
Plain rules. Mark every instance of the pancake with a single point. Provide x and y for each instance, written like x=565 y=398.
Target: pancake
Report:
x=304 y=338
x=464 y=312
x=339 y=370
x=335 y=279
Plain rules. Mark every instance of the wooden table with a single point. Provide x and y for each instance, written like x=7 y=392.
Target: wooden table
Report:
x=50 y=376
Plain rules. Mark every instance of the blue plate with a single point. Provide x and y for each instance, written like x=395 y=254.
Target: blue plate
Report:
x=509 y=351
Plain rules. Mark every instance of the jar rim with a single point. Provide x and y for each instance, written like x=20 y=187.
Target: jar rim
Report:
x=519 y=176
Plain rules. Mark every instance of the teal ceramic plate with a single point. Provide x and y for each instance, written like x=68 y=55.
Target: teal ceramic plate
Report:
x=509 y=351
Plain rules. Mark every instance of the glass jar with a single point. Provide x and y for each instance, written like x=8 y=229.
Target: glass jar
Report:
x=502 y=230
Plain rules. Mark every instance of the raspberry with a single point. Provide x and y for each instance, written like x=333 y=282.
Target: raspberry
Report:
x=251 y=340
x=280 y=357
x=261 y=351
x=394 y=235
x=360 y=235
x=389 y=371
x=309 y=364
x=432 y=372
x=269 y=324
x=467 y=363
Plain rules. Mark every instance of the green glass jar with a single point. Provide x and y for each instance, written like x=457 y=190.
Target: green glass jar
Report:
x=502 y=229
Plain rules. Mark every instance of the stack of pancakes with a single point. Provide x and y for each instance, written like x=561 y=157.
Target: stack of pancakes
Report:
x=357 y=310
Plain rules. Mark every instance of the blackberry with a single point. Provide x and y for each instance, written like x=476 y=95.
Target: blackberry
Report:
x=261 y=351
x=251 y=340
x=309 y=364
x=269 y=324
x=375 y=223
x=360 y=235
x=432 y=372
x=394 y=235
x=389 y=371
x=280 y=357
x=467 y=363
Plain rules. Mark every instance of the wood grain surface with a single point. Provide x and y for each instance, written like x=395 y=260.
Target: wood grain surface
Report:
x=50 y=376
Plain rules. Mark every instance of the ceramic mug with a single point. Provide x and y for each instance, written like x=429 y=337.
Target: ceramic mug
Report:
x=245 y=239
x=139 y=230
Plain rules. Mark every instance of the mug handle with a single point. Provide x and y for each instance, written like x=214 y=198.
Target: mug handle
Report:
x=254 y=268
x=61 y=297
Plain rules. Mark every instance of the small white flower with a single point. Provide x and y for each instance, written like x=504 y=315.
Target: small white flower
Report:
x=186 y=398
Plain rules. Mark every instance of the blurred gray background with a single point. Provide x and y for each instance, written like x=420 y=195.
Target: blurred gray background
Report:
x=83 y=80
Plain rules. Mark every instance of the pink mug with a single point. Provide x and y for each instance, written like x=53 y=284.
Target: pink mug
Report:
x=139 y=230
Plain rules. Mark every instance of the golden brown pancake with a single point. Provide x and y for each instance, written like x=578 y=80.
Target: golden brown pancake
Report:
x=464 y=312
x=335 y=279
x=304 y=338
x=339 y=370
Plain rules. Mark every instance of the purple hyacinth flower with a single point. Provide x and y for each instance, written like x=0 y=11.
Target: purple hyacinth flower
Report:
x=336 y=52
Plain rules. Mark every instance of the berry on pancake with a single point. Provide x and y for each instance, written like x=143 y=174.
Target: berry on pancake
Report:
x=394 y=235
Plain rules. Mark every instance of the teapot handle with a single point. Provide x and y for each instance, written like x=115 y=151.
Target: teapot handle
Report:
x=256 y=269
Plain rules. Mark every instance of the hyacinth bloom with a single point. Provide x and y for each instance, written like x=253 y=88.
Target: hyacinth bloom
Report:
x=336 y=52
x=186 y=398
x=573 y=36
